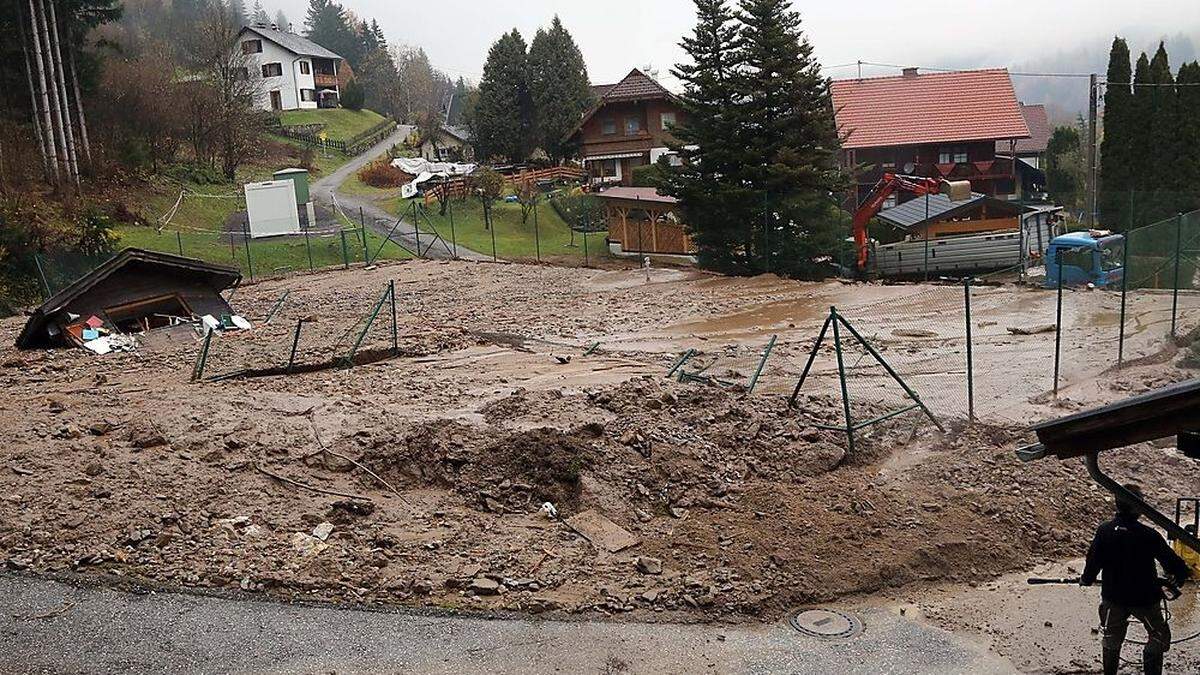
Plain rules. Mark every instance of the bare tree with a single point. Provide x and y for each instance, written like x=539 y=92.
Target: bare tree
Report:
x=60 y=81
x=51 y=122
x=83 y=130
x=34 y=92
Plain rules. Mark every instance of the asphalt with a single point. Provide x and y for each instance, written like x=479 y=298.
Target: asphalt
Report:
x=379 y=220
x=51 y=626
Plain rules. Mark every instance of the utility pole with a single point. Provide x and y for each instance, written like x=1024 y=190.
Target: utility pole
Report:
x=1091 y=152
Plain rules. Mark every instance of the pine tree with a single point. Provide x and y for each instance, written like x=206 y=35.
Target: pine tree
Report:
x=326 y=24
x=237 y=9
x=259 y=15
x=1161 y=167
x=502 y=115
x=1188 y=147
x=706 y=135
x=377 y=32
x=558 y=88
x=790 y=144
x=1115 y=150
x=1141 y=157
x=1065 y=175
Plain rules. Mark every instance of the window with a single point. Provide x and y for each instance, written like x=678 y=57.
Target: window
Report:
x=1112 y=255
x=1077 y=257
x=608 y=127
x=305 y=68
x=252 y=47
x=952 y=155
x=308 y=95
x=668 y=120
x=633 y=125
x=272 y=69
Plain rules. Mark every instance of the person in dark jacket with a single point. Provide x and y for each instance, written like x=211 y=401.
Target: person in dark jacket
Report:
x=1125 y=551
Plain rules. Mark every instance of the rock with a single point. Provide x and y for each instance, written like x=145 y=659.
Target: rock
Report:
x=307 y=545
x=94 y=469
x=651 y=595
x=648 y=565
x=323 y=531
x=100 y=428
x=485 y=586
x=145 y=437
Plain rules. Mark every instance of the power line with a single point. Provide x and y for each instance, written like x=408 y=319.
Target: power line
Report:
x=1023 y=74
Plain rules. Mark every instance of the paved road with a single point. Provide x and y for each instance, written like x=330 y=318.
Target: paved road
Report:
x=48 y=626
x=379 y=220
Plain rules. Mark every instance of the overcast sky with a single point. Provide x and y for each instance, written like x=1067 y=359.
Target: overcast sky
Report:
x=616 y=35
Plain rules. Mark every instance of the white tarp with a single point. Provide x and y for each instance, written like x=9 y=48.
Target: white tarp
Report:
x=271 y=208
x=415 y=166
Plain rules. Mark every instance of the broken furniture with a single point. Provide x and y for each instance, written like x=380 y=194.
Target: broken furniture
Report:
x=1169 y=412
x=135 y=291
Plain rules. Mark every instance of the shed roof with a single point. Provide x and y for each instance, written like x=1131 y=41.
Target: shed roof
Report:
x=919 y=108
x=1039 y=131
x=297 y=44
x=912 y=212
x=220 y=277
x=644 y=194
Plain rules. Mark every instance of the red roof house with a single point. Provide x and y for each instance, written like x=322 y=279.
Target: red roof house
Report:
x=942 y=125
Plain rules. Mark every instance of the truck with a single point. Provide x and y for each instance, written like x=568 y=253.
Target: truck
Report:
x=1093 y=257
x=967 y=253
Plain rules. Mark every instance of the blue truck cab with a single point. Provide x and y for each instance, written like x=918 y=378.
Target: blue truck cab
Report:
x=1092 y=257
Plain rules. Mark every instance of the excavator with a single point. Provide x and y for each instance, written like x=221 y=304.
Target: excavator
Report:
x=886 y=187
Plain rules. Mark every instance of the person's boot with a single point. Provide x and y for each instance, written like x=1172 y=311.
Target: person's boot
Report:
x=1152 y=662
x=1112 y=659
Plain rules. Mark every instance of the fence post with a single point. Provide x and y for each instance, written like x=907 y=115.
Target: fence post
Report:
x=837 y=346
x=345 y=251
x=585 y=249
x=1175 y=282
x=37 y=261
x=202 y=360
x=487 y=218
x=395 y=327
x=179 y=242
x=927 y=236
x=1124 y=293
x=295 y=344
x=249 y=262
x=450 y=210
x=1058 y=319
x=362 y=227
x=537 y=239
x=970 y=351
x=417 y=228
x=308 y=247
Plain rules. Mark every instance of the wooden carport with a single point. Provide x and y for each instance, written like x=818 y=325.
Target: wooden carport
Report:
x=642 y=221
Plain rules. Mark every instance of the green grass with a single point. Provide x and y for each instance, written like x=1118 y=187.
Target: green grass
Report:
x=514 y=240
x=340 y=123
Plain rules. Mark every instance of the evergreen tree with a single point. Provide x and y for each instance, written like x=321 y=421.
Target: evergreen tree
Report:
x=706 y=135
x=1115 y=151
x=789 y=142
x=259 y=15
x=1188 y=147
x=501 y=118
x=237 y=8
x=326 y=24
x=377 y=32
x=1065 y=172
x=281 y=20
x=558 y=88
x=1160 y=161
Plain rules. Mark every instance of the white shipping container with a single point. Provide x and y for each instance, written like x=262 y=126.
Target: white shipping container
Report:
x=271 y=208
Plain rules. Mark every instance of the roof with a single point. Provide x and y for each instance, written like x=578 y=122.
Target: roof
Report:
x=636 y=86
x=461 y=133
x=644 y=194
x=222 y=277
x=599 y=90
x=295 y=44
x=1080 y=238
x=915 y=109
x=912 y=212
x=1039 y=131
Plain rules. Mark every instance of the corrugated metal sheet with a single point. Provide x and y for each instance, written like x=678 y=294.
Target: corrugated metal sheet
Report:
x=912 y=212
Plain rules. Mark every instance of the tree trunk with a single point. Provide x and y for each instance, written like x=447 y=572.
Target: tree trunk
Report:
x=47 y=167
x=60 y=133
x=60 y=78
x=51 y=139
x=83 y=132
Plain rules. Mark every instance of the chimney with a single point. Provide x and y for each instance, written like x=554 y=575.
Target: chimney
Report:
x=274 y=27
x=290 y=28
x=910 y=72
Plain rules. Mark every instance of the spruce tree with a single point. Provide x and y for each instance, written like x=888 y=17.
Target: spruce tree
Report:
x=1164 y=126
x=558 y=87
x=1141 y=156
x=501 y=118
x=326 y=24
x=706 y=140
x=1188 y=147
x=1115 y=151
x=789 y=142
x=259 y=15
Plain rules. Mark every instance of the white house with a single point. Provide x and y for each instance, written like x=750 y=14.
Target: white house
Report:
x=295 y=72
x=453 y=145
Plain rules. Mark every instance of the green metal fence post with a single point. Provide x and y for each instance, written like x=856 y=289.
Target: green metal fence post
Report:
x=970 y=351
x=202 y=360
x=1124 y=293
x=585 y=248
x=927 y=236
x=762 y=363
x=537 y=239
x=812 y=356
x=295 y=345
x=841 y=364
x=1175 y=282
x=308 y=247
x=487 y=218
x=1058 y=319
x=395 y=327
x=349 y=359
x=417 y=228
x=890 y=371
x=179 y=242
x=453 y=236
x=249 y=262
x=37 y=261
x=345 y=251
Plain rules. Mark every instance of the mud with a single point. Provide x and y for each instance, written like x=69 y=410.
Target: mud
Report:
x=419 y=479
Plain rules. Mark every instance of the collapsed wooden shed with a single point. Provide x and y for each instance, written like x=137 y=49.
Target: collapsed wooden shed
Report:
x=135 y=291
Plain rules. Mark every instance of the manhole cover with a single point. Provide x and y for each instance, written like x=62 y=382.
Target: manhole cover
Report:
x=826 y=623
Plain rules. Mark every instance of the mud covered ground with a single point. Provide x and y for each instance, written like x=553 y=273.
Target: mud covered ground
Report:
x=420 y=478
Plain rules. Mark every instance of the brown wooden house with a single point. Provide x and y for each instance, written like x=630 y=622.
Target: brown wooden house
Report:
x=628 y=126
x=941 y=125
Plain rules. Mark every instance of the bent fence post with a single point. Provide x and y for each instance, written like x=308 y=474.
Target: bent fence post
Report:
x=762 y=363
x=841 y=364
x=295 y=345
x=395 y=326
x=202 y=359
x=890 y=371
x=812 y=356
x=349 y=358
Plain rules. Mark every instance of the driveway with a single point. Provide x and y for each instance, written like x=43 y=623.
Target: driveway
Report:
x=49 y=626
x=376 y=218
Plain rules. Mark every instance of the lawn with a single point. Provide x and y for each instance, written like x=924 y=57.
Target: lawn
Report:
x=340 y=123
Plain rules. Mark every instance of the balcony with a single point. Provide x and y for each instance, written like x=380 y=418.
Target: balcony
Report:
x=325 y=79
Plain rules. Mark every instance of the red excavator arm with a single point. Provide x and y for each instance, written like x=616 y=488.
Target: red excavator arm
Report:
x=918 y=185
